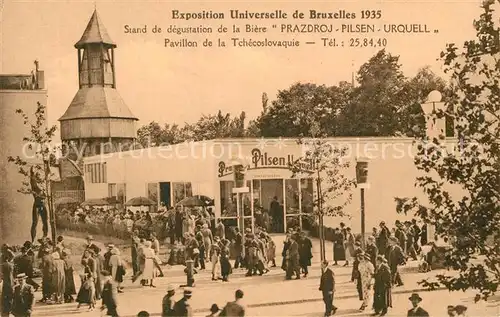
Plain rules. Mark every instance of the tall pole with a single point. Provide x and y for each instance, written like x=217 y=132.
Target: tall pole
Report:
x=363 y=218
x=321 y=220
x=49 y=202
x=241 y=219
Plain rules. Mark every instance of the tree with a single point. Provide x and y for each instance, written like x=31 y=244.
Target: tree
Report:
x=296 y=109
x=208 y=127
x=153 y=134
x=411 y=117
x=326 y=164
x=471 y=219
x=375 y=103
x=37 y=172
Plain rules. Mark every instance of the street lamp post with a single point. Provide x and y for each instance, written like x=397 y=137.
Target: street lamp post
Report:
x=362 y=183
x=434 y=127
x=239 y=173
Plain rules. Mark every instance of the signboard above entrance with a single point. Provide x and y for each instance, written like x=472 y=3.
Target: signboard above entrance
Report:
x=259 y=160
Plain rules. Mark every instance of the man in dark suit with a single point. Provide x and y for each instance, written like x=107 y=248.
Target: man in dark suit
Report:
x=395 y=257
x=168 y=302
x=327 y=287
x=416 y=311
x=305 y=252
x=382 y=295
x=371 y=250
x=276 y=214
x=24 y=296
x=235 y=308
x=109 y=295
x=293 y=256
x=383 y=238
x=182 y=308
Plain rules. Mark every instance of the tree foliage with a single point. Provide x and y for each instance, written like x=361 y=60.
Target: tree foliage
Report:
x=216 y=126
x=207 y=127
x=154 y=134
x=384 y=103
x=325 y=163
x=472 y=221
x=296 y=109
x=38 y=144
x=377 y=100
x=39 y=156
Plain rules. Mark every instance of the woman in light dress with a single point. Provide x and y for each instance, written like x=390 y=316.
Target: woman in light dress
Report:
x=117 y=268
x=366 y=271
x=207 y=237
x=214 y=258
x=148 y=271
x=59 y=278
x=191 y=223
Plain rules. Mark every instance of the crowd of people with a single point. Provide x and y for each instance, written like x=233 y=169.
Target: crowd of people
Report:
x=375 y=268
x=98 y=272
x=111 y=221
x=374 y=265
x=206 y=241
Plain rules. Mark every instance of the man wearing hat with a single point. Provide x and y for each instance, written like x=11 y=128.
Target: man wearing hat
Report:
x=382 y=297
x=107 y=256
x=416 y=311
x=383 y=238
x=305 y=252
x=239 y=249
x=8 y=280
x=395 y=257
x=400 y=234
x=47 y=267
x=168 y=302
x=23 y=298
x=182 y=308
x=109 y=295
x=372 y=250
x=293 y=265
x=24 y=264
x=460 y=310
x=91 y=245
x=214 y=310
x=327 y=287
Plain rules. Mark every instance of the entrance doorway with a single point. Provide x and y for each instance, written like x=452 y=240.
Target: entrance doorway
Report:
x=268 y=197
x=273 y=204
x=165 y=196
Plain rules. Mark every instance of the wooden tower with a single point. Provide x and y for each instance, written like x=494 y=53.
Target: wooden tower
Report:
x=97 y=121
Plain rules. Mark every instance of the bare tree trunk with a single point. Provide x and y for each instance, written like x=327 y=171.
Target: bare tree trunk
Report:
x=320 y=222
x=50 y=203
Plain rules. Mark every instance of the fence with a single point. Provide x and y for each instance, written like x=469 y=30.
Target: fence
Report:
x=78 y=195
x=105 y=229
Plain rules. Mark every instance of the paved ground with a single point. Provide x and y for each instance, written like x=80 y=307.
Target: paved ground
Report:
x=270 y=295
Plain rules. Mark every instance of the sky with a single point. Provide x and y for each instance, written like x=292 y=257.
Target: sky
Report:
x=170 y=85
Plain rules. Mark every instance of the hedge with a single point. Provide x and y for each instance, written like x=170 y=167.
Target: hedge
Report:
x=105 y=229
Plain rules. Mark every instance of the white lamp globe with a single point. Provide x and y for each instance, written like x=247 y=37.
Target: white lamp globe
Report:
x=434 y=96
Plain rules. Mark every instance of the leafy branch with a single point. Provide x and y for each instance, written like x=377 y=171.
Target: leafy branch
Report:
x=468 y=215
x=39 y=153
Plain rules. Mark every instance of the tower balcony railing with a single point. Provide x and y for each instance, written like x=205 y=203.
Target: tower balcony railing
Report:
x=77 y=195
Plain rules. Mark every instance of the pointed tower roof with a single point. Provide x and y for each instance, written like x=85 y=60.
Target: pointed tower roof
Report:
x=95 y=32
x=97 y=102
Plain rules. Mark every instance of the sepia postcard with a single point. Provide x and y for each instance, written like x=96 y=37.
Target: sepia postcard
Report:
x=249 y=158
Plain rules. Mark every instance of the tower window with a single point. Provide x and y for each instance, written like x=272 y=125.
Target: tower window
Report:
x=95 y=173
